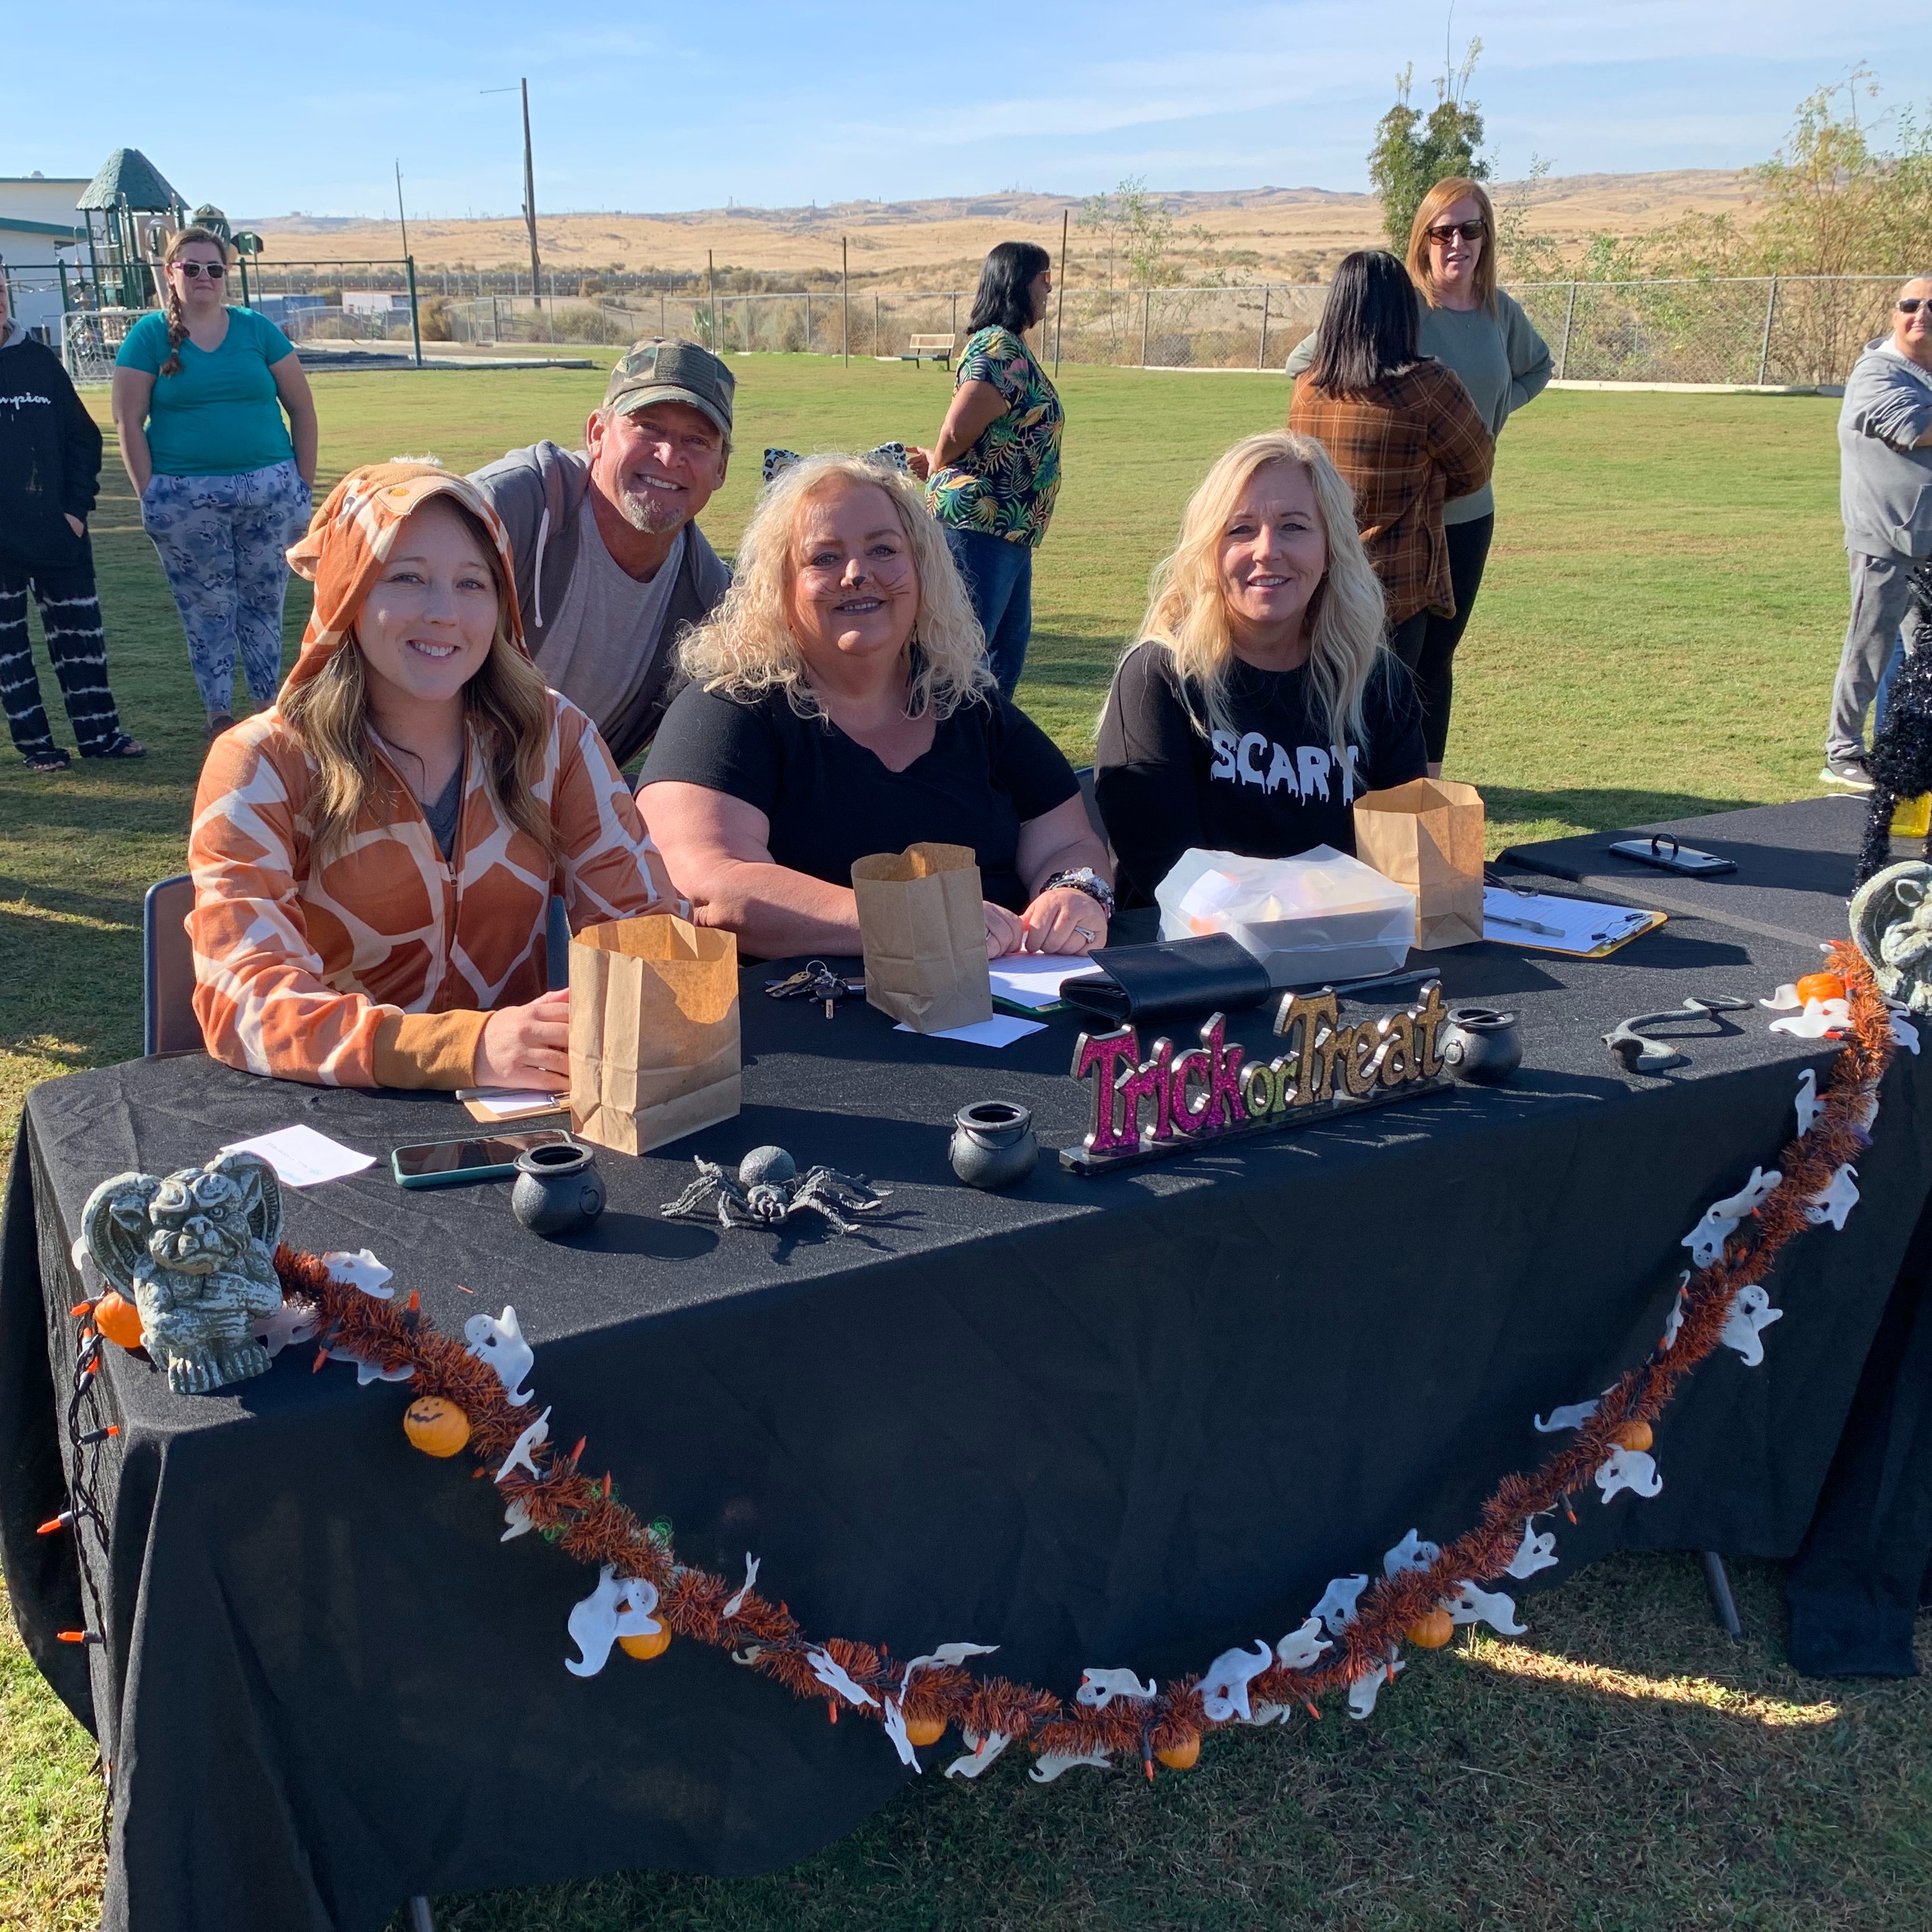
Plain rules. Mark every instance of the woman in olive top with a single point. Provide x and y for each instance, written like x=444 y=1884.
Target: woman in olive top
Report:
x=1471 y=326
x=994 y=467
x=200 y=391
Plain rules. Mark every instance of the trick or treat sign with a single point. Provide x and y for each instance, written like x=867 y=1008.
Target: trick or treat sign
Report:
x=1178 y=1102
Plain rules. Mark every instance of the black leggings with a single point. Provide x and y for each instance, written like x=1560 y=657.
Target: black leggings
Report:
x=1426 y=644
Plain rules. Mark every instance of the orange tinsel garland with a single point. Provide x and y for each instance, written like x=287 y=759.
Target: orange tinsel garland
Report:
x=579 y=1512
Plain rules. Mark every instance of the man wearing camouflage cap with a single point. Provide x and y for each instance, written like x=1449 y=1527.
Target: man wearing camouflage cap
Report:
x=611 y=566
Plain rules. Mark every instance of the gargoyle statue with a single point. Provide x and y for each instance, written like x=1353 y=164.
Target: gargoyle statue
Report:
x=194 y=1251
x=1891 y=921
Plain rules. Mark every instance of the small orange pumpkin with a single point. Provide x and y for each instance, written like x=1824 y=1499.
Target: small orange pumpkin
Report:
x=1432 y=1631
x=118 y=1319
x=1633 y=1436
x=646 y=1647
x=1183 y=1756
x=437 y=1426
x=1820 y=986
x=924 y=1731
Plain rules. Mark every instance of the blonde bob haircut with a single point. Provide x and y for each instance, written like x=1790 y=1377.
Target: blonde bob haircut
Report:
x=507 y=700
x=1451 y=189
x=1345 y=618
x=745 y=648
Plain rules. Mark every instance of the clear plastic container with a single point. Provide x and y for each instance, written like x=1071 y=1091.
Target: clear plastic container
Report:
x=1320 y=917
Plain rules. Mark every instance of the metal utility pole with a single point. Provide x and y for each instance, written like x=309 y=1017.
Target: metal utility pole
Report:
x=1059 y=315
x=522 y=87
x=401 y=217
x=710 y=303
x=845 y=301
x=530 y=201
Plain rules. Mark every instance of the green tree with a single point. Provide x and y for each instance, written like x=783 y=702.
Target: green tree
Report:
x=1134 y=231
x=1413 y=151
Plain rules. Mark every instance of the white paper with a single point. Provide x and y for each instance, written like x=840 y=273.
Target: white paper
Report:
x=1034 y=980
x=303 y=1158
x=1557 y=924
x=1002 y=1030
x=504 y=1103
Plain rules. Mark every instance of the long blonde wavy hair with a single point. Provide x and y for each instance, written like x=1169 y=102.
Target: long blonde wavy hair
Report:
x=1345 y=618
x=506 y=701
x=745 y=648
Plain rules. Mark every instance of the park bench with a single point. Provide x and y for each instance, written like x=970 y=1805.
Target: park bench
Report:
x=930 y=349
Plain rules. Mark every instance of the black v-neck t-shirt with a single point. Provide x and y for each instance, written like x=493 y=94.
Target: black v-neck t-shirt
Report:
x=1268 y=783
x=830 y=800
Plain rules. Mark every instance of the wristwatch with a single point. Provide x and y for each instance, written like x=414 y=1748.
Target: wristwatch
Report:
x=1084 y=879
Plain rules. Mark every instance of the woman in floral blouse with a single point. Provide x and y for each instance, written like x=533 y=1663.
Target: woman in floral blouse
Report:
x=994 y=469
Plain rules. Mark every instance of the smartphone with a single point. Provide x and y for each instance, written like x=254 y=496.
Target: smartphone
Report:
x=1686 y=858
x=475 y=1157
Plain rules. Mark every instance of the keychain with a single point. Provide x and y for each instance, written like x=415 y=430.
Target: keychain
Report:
x=816 y=981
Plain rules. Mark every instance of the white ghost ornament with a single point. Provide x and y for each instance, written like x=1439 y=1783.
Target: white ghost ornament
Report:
x=525 y=1447
x=1050 y=1765
x=1571 y=1415
x=1363 y=1692
x=1471 y=1605
x=1099 y=1688
x=1300 y=1649
x=1751 y=1313
x=832 y=1674
x=499 y=1341
x=1534 y=1553
x=1337 y=1607
x=593 y=1625
x=361 y=1270
x=1412 y=1553
x=984 y=1751
x=1835 y=1202
x=1706 y=1240
x=1809 y=1104
x=1630 y=1469
x=1224 y=1690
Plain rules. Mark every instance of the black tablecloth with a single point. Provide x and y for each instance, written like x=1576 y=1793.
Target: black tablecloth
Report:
x=1126 y=1420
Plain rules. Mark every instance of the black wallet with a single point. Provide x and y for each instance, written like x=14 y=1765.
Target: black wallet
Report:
x=1170 y=977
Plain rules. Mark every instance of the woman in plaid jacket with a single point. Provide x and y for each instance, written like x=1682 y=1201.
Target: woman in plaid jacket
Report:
x=1402 y=431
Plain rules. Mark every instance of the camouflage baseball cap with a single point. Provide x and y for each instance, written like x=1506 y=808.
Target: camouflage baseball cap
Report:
x=662 y=371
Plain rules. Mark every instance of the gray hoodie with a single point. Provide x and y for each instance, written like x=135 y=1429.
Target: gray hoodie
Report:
x=538 y=492
x=1884 y=484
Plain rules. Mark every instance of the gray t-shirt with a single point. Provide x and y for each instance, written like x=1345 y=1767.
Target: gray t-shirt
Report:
x=596 y=649
x=1502 y=359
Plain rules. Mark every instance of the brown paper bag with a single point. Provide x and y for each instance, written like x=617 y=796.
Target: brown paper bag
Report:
x=1427 y=834
x=923 y=923
x=653 y=1031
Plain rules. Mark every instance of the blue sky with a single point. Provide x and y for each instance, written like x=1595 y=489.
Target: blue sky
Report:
x=646 y=107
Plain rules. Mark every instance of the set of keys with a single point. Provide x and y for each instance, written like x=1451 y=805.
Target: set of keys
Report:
x=816 y=981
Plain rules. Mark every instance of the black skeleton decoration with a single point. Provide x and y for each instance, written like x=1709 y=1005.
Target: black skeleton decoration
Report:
x=1901 y=753
x=768 y=1190
x=195 y=1252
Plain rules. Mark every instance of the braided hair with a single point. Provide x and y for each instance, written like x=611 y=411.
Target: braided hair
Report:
x=170 y=303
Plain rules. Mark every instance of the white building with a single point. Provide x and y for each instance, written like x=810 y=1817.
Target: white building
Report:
x=38 y=215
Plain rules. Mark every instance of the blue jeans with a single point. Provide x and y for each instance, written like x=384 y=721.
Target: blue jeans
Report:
x=223 y=541
x=999 y=581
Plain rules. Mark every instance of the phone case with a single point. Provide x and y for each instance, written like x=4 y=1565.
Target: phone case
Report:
x=1685 y=858
x=498 y=1170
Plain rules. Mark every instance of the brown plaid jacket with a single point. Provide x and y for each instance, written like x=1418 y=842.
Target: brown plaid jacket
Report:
x=1405 y=447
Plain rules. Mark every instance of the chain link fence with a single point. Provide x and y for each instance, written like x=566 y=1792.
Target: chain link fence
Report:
x=1783 y=330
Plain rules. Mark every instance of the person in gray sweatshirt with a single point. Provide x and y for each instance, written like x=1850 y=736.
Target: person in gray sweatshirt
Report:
x=611 y=566
x=1885 y=495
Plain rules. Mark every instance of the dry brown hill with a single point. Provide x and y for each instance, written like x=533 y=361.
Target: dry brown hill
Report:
x=1282 y=234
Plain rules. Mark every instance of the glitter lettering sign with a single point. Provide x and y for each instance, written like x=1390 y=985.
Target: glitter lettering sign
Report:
x=1172 y=1103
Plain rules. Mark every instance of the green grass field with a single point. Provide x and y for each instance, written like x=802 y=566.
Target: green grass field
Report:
x=1657 y=637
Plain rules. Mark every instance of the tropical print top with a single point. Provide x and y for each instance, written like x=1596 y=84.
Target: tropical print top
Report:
x=1005 y=485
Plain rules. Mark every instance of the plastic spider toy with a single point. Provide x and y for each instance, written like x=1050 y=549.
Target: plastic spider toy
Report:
x=768 y=1190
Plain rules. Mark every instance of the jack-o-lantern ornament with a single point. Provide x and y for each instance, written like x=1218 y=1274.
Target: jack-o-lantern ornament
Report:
x=924 y=1731
x=437 y=1426
x=118 y=1319
x=1182 y=1756
x=1634 y=1435
x=1819 y=986
x=645 y=1648
x=1432 y=1631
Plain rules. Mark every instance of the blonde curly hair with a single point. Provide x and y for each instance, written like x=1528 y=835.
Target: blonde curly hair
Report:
x=746 y=647
x=1345 y=617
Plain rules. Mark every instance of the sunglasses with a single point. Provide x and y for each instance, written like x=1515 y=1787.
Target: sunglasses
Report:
x=1912 y=305
x=194 y=270
x=1470 y=231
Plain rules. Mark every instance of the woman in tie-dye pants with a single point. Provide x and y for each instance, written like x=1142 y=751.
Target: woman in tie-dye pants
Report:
x=50 y=469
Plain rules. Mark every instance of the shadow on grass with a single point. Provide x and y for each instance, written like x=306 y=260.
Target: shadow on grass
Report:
x=1612 y=809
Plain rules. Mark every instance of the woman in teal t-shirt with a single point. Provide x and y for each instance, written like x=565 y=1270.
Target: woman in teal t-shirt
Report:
x=200 y=390
x=994 y=470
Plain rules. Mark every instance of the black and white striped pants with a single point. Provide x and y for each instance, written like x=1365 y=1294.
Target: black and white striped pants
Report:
x=70 y=615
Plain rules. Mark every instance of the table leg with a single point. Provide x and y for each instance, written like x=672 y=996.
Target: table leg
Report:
x=1722 y=1601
